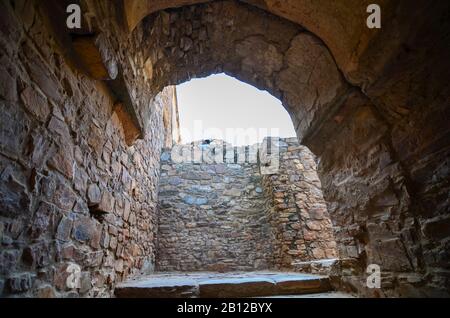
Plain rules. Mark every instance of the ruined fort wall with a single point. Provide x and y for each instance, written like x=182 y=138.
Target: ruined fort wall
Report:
x=75 y=198
x=297 y=211
x=382 y=144
x=212 y=217
x=232 y=216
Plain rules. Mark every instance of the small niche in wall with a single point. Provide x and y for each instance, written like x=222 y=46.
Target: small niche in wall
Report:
x=97 y=213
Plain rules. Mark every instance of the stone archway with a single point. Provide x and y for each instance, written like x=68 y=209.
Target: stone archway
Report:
x=245 y=43
x=78 y=191
x=332 y=117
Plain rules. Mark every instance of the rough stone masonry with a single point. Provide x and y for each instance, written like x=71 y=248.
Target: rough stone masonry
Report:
x=75 y=198
x=231 y=216
x=83 y=122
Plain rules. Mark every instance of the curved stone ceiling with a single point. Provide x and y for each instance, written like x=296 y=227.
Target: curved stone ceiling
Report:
x=341 y=25
x=266 y=51
x=136 y=10
x=360 y=53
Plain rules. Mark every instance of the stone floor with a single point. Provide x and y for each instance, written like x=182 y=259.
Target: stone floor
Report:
x=221 y=285
x=333 y=294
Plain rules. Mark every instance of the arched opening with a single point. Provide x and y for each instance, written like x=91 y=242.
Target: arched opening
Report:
x=343 y=114
x=257 y=48
x=224 y=108
x=268 y=53
x=86 y=112
x=225 y=206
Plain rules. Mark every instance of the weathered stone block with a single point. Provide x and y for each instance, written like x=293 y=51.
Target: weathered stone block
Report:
x=107 y=202
x=64 y=229
x=232 y=192
x=64 y=197
x=94 y=195
x=45 y=292
x=85 y=282
x=14 y=197
x=63 y=160
x=9 y=260
x=8 y=86
x=35 y=103
x=84 y=229
x=37 y=255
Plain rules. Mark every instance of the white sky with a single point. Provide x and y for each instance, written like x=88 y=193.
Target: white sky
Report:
x=222 y=107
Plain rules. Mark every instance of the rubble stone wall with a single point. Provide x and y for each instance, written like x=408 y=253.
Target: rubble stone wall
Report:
x=74 y=197
x=297 y=211
x=377 y=124
x=230 y=216
x=372 y=107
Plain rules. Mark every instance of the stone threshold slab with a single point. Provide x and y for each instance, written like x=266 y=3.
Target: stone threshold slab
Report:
x=222 y=285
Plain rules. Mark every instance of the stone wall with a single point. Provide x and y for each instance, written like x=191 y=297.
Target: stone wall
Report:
x=373 y=107
x=74 y=196
x=212 y=217
x=229 y=216
x=297 y=210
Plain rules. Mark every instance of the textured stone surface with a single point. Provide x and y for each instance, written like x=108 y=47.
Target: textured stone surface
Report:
x=280 y=51
x=229 y=285
x=231 y=217
x=62 y=153
x=297 y=210
x=381 y=134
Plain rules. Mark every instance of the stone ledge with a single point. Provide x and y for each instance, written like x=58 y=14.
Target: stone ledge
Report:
x=218 y=285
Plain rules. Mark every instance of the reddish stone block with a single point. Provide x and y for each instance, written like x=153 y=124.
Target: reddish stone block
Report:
x=35 y=103
x=36 y=255
x=106 y=203
x=64 y=197
x=63 y=160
